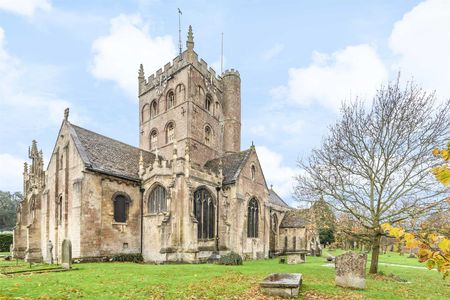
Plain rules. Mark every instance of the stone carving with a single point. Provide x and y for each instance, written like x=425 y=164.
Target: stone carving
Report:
x=66 y=254
x=351 y=270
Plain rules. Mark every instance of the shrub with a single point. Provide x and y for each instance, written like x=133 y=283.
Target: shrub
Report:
x=283 y=260
x=231 y=258
x=129 y=257
x=6 y=239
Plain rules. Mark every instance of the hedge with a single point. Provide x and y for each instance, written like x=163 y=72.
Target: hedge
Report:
x=6 y=239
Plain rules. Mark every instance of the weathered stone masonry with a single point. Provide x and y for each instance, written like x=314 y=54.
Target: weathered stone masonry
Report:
x=187 y=185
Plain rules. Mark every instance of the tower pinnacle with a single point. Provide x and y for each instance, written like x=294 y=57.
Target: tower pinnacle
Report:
x=141 y=71
x=190 y=39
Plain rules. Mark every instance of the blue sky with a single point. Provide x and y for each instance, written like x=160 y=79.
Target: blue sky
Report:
x=297 y=59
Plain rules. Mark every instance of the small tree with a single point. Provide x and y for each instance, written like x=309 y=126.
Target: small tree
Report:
x=375 y=164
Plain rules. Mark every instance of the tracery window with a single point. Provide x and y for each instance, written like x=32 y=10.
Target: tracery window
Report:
x=153 y=109
x=158 y=200
x=208 y=102
x=121 y=205
x=153 y=139
x=207 y=135
x=170 y=132
x=252 y=220
x=205 y=213
x=170 y=101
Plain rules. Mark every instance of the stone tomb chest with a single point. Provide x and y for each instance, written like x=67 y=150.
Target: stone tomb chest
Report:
x=282 y=284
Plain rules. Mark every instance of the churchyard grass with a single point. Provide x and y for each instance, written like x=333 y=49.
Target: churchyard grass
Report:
x=206 y=281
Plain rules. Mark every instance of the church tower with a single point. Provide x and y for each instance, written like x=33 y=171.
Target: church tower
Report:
x=186 y=105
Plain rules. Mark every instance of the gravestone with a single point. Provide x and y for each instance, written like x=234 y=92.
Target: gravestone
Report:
x=351 y=270
x=50 y=252
x=66 y=254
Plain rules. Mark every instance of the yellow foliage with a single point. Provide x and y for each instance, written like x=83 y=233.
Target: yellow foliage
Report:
x=444 y=245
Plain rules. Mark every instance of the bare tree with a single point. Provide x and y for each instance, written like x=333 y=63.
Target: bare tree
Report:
x=375 y=163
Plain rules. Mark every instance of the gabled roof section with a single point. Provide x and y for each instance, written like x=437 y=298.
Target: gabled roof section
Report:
x=275 y=199
x=296 y=218
x=232 y=165
x=108 y=156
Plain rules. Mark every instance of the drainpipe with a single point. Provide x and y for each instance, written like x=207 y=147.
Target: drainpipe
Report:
x=142 y=190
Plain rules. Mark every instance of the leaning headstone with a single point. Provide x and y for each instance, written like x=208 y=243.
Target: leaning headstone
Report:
x=50 y=252
x=66 y=254
x=351 y=270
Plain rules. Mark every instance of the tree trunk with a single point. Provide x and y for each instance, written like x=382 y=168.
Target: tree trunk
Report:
x=375 y=254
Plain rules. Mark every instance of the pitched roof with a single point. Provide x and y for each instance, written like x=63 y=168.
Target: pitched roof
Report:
x=105 y=155
x=275 y=199
x=231 y=165
x=296 y=218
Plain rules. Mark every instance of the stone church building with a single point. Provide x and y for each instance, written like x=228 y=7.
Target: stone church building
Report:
x=187 y=192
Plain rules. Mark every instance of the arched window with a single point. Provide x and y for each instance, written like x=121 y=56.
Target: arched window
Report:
x=153 y=109
x=153 y=139
x=170 y=100
x=207 y=135
x=121 y=204
x=157 y=201
x=208 y=102
x=145 y=113
x=205 y=213
x=252 y=220
x=170 y=132
x=253 y=172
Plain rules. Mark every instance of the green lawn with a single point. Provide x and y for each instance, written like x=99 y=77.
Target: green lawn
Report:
x=145 y=281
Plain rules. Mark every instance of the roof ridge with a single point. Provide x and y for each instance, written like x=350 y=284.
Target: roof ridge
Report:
x=107 y=137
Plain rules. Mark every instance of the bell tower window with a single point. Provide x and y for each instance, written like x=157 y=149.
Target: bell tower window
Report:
x=170 y=101
x=208 y=102
x=170 y=132
x=153 y=139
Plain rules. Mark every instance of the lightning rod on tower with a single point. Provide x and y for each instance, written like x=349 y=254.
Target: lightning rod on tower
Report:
x=179 y=29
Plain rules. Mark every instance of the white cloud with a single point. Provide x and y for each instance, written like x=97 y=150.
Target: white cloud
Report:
x=25 y=7
x=421 y=40
x=10 y=173
x=278 y=175
x=117 y=55
x=272 y=52
x=331 y=79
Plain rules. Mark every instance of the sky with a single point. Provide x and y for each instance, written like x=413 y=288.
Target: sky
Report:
x=298 y=61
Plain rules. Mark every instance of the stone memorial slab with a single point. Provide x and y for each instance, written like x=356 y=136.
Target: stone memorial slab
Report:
x=351 y=270
x=66 y=254
x=283 y=285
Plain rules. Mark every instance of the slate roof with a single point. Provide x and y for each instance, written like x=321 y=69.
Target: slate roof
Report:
x=105 y=155
x=275 y=199
x=232 y=165
x=296 y=218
